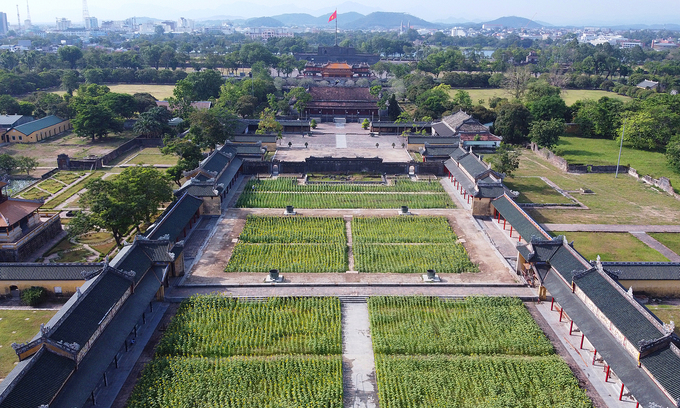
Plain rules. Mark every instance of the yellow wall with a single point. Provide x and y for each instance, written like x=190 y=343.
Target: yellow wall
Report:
x=68 y=287
x=654 y=287
x=14 y=136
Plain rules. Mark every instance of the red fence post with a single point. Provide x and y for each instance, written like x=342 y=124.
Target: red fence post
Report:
x=583 y=336
x=571 y=327
x=606 y=377
x=621 y=394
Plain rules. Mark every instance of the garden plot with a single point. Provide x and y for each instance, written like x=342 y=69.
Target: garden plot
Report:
x=230 y=353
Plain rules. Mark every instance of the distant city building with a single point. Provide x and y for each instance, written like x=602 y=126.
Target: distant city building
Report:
x=458 y=32
x=4 y=26
x=264 y=33
x=63 y=24
x=661 y=45
x=91 y=23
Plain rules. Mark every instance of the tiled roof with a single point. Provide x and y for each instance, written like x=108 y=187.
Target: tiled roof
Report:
x=157 y=251
x=40 y=382
x=46 y=271
x=30 y=127
x=439 y=150
x=442 y=129
x=13 y=210
x=331 y=93
x=472 y=125
x=230 y=172
x=176 y=217
x=490 y=191
x=473 y=165
x=644 y=270
x=617 y=307
x=433 y=140
x=455 y=120
x=85 y=317
x=664 y=365
x=217 y=161
x=566 y=261
x=204 y=189
x=522 y=223
x=483 y=137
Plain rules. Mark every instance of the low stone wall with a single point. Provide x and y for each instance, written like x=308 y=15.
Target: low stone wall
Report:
x=92 y=163
x=551 y=157
x=662 y=182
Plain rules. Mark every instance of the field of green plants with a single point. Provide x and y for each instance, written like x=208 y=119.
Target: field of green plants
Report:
x=286 y=191
x=284 y=230
x=290 y=244
x=407 y=245
x=221 y=352
x=474 y=326
x=466 y=353
x=490 y=382
x=402 y=230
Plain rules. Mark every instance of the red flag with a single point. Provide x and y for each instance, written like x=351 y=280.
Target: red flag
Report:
x=333 y=16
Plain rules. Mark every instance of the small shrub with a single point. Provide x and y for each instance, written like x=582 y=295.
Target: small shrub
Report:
x=33 y=296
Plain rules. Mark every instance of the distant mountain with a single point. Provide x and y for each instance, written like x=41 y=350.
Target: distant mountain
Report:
x=263 y=22
x=514 y=22
x=308 y=20
x=385 y=20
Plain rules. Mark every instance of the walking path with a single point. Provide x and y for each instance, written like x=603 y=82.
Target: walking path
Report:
x=654 y=244
x=358 y=364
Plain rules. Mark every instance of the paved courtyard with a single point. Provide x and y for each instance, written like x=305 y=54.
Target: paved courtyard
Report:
x=342 y=140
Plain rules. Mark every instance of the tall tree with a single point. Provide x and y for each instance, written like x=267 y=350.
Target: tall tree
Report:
x=546 y=133
x=506 y=159
x=512 y=122
x=516 y=80
x=70 y=55
x=95 y=121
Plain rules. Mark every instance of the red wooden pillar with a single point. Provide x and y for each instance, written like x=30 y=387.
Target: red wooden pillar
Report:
x=552 y=303
x=621 y=393
x=561 y=313
x=571 y=327
x=594 y=355
x=468 y=199
x=606 y=377
x=504 y=223
x=510 y=231
x=583 y=336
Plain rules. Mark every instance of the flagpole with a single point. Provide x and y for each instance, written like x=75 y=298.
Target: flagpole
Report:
x=336 y=27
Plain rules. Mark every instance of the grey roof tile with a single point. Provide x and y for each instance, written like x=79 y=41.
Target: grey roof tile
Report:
x=46 y=271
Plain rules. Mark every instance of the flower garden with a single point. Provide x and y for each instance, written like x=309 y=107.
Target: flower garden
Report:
x=475 y=352
x=222 y=352
x=286 y=191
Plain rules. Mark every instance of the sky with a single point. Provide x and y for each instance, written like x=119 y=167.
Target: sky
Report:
x=571 y=12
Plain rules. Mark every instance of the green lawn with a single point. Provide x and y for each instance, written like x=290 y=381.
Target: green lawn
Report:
x=18 y=326
x=535 y=190
x=34 y=194
x=152 y=156
x=53 y=186
x=611 y=246
x=622 y=200
x=68 y=177
x=68 y=252
x=605 y=152
x=670 y=240
x=570 y=96
x=667 y=313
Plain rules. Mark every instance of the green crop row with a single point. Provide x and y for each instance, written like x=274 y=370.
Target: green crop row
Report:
x=476 y=325
x=405 y=258
x=287 y=184
x=215 y=326
x=288 y=258
x=493 y=382
x=402 y=230
x=255 y=199
x=240 y=382
x=293 y=230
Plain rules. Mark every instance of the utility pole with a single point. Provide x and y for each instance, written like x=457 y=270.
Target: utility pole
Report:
x=620 y=148
x=18 y=18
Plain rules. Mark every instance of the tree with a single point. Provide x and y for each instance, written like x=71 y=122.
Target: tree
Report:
x=47 y=103
x=546 y=133
x=153 y=123
x=95 y=121
x=393 y=109
x=512 y=122
x=506 y=159
x=541 y=89
x=547 y=108
x=650 y=128
x=188 y=151
x=313 y=124
x=7 y=163
x=144 y=101
x=26 y=164
x=69 y=81
x=673 y=153
x=599 y=118
x=516 y=80
x=8 y=105
x=462 y=99
x=365 y=124
x=300 y=98
x=70 y=54
x=147 y=187
x=110 y=207
x=268 y=124
x=211 y=126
